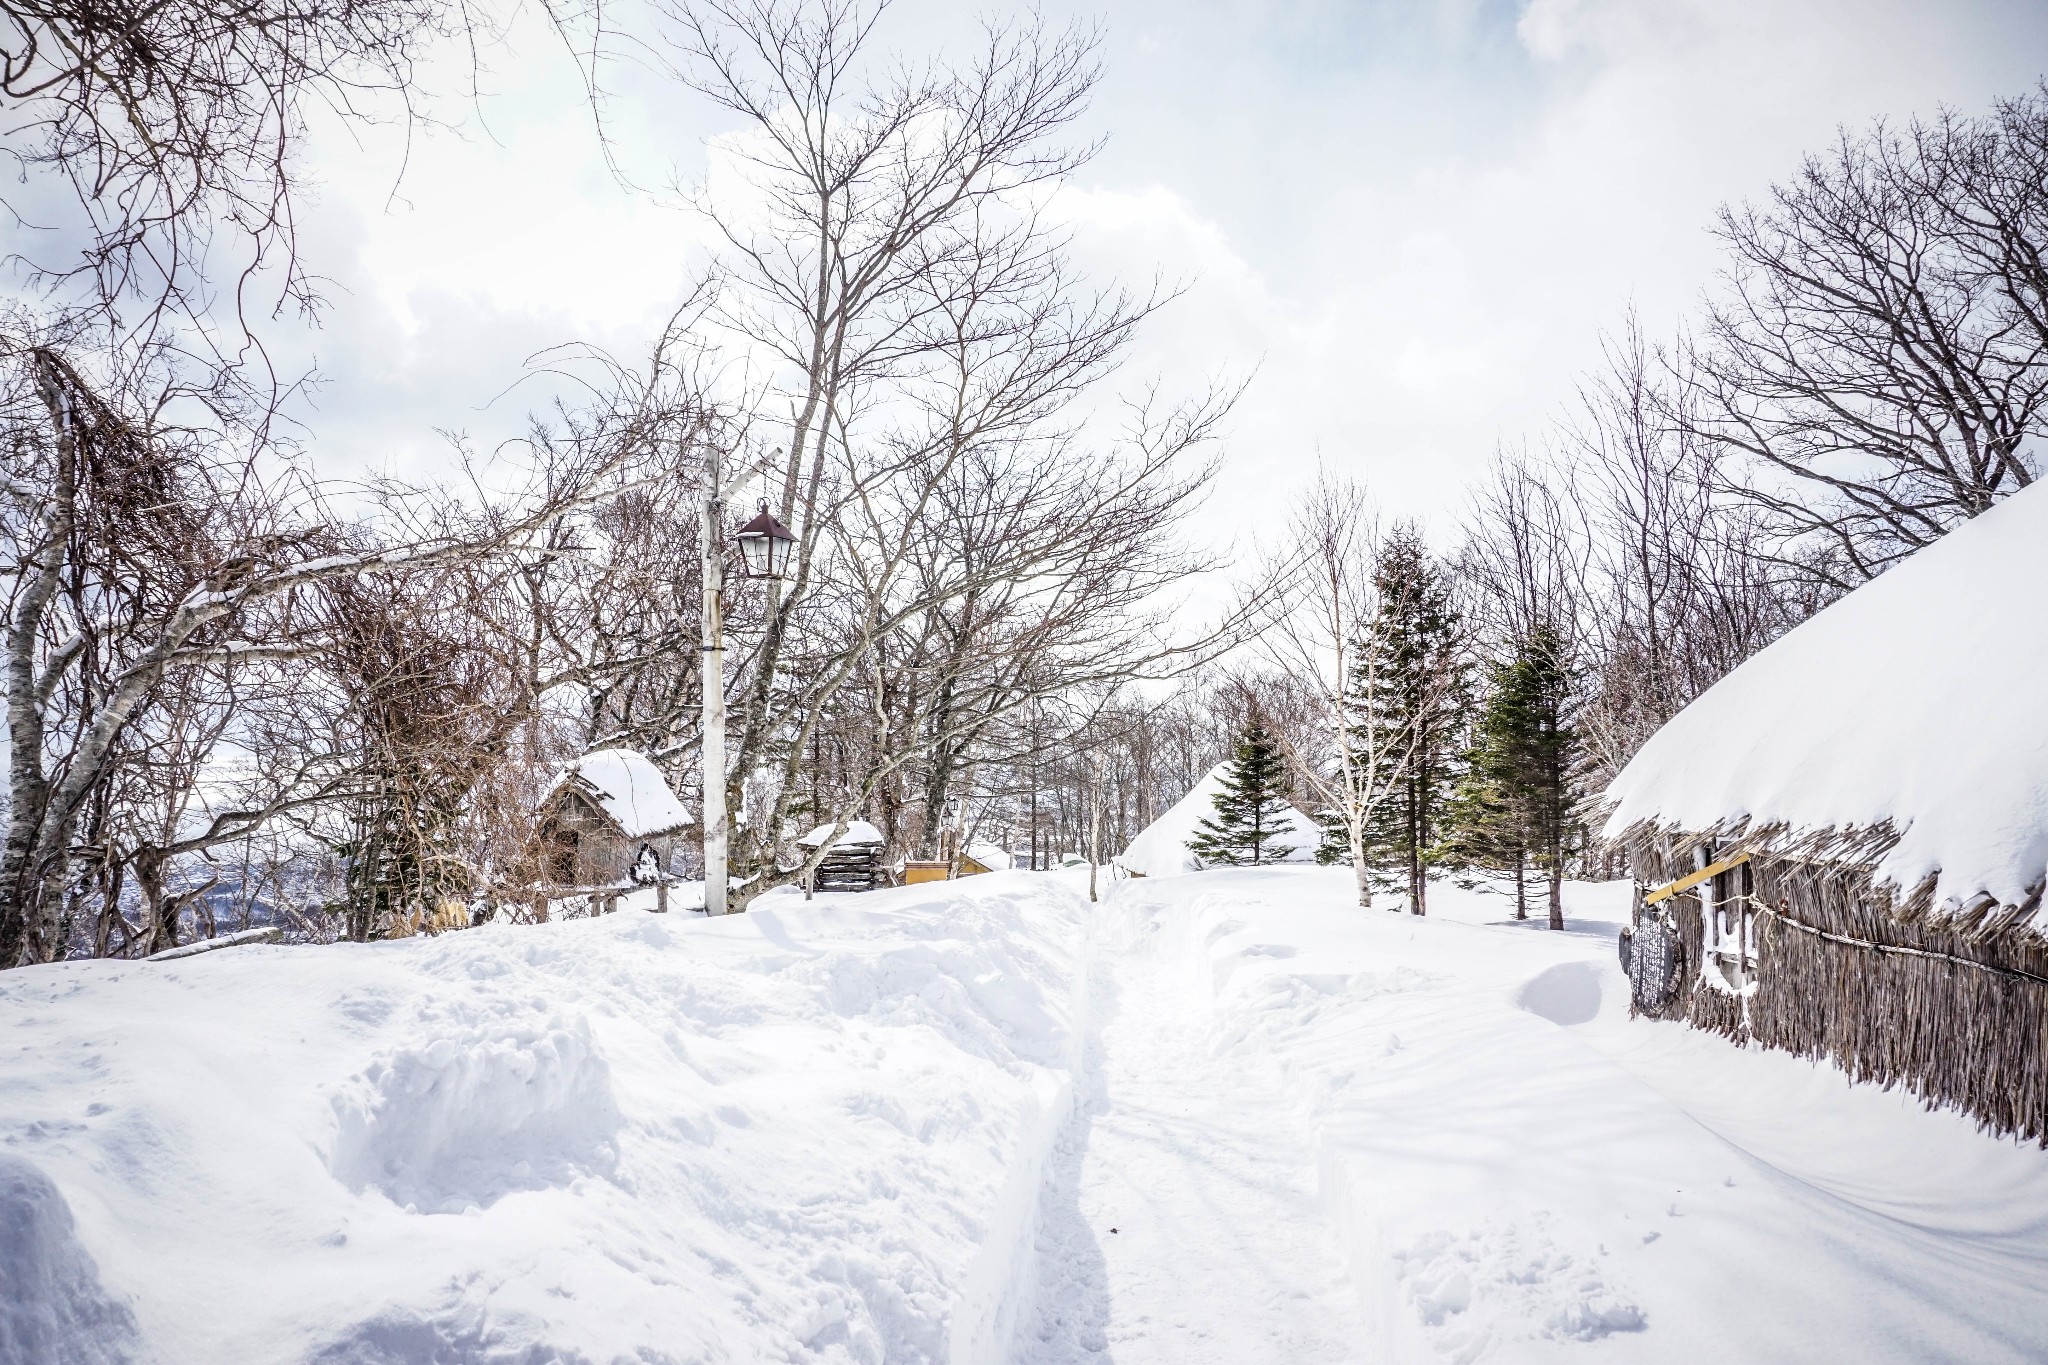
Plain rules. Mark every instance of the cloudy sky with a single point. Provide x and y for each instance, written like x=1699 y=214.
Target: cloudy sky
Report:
x=1409 y=219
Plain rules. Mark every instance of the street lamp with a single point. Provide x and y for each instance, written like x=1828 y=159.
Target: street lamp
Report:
x=765 y=545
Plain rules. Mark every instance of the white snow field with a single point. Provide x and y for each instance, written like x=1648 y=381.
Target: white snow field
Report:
x=1222 y=1117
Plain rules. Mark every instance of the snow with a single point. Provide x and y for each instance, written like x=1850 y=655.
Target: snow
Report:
x=794 y=1134
x=1161 y=848
x=1916 y=700
x=1507 y=1166
x=1229 y=1118
x=629 y=788
x=857 y=832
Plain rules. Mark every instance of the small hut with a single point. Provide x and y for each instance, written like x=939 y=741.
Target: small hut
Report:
x=853 y=862
x=609 y=818
x=984 y=857
x=1841 y=847
x=1161 y=849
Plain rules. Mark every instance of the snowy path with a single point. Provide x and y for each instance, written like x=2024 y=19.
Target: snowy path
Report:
x=1179 y=1220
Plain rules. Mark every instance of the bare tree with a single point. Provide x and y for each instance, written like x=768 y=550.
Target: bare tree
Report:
x=1878 y=352
x=969 y=544
x=150 y=540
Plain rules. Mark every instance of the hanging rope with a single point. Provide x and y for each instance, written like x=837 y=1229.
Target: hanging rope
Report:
x=1895 y=949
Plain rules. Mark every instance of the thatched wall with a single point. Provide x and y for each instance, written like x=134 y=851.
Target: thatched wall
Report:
x=580 y=845
x=1958 y=1019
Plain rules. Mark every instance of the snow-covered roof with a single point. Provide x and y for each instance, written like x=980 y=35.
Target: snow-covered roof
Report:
x=857 y=832
x=990 y=856
x=628 y=788
x=1162 y=849
x=1914 y=707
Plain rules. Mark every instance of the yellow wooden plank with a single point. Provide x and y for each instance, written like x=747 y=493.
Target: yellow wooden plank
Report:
x=1687 y=883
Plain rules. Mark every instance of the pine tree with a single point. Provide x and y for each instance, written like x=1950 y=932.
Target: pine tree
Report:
x=1544 y=752
x=1412 y=695
x=1488 y=814
x=1250 y=806
x=1516 y=799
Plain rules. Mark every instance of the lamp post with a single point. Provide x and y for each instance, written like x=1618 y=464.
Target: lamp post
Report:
x=765 y=546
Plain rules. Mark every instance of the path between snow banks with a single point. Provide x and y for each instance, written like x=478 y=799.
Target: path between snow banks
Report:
x=1514 y=1170
x=1179 y=1222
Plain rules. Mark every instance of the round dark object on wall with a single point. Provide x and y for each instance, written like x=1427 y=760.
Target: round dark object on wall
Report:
x=1653 y=966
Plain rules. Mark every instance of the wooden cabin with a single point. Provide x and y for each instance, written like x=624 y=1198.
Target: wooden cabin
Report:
x=1840 y=848
x=609 y=819
x=983 y=857
x=853 y=860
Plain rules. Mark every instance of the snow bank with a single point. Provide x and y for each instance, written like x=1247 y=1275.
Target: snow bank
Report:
x=54 y=1310
x=630 y=789
x=803 y=1133
x=1916 y=701
x=1521 y=1173
x=1161 y=848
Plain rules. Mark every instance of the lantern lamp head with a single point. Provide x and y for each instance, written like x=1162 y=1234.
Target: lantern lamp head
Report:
x=765 y=545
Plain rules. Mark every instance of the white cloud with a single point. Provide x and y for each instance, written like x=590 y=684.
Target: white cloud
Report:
x=1414 y=223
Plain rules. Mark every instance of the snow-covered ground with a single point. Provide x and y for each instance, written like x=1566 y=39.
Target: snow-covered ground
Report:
x=1220 y=1117
x=812 y=1132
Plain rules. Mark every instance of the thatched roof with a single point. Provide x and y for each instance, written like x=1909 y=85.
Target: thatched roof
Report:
x=1161 y=849
x=1904 y=729
x=858 y=833
x=628 y=788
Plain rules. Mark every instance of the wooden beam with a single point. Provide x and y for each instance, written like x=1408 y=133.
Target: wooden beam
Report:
x=210 y=945
x=1687 y=883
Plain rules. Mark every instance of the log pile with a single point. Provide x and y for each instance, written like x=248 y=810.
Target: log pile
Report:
x=850 y=867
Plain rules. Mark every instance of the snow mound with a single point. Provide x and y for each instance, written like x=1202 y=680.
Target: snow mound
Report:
x=53 y=1308
x=1913 y=704
x=469 y=1118
x=1161 y=848
x=797 y=1134
x=630 y=789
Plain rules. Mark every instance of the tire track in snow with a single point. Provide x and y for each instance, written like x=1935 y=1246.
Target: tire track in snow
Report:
x=1206 y=1173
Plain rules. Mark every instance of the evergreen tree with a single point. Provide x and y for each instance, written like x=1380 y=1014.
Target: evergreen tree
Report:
x=1488 y=814
x=1516 y=799
x=1249 y=808
x=1411 y=695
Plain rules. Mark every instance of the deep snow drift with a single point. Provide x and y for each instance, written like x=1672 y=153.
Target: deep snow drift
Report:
x=810 y=1132
x=1224 y=1117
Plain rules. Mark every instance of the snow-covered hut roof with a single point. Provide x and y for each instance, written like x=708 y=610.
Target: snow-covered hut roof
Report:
x=1161 y=850
x=991 y=856
x=857 y=832
x=626 y=786
x=1909 y=721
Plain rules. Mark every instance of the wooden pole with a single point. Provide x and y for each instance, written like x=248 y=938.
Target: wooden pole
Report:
x=713 y=632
